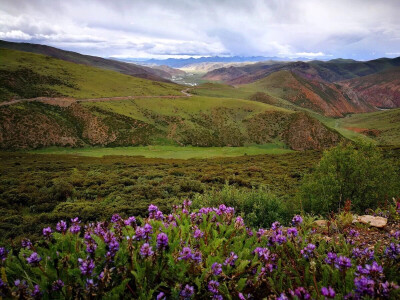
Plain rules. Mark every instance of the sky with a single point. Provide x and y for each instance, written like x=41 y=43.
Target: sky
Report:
x=315 y=29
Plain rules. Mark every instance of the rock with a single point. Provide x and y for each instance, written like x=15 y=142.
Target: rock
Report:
x=321 y=223
x=378 y=222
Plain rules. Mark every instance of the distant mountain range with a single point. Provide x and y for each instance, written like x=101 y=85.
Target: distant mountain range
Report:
x=182 y=62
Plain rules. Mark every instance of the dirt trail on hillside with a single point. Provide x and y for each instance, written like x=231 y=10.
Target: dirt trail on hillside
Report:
x=65 y=102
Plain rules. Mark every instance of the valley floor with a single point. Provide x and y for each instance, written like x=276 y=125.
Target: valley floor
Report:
x=169 y=152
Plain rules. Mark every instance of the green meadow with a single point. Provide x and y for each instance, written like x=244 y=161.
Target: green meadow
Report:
x=169 y=152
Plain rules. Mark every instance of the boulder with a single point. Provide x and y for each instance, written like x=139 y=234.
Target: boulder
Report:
x=378 y=222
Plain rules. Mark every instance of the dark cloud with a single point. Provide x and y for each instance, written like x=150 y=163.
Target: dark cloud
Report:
x=358 y=28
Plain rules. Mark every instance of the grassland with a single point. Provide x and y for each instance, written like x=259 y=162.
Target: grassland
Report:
x=28 y=75
x=37 y=190
x=170 y=152
x=382 y=126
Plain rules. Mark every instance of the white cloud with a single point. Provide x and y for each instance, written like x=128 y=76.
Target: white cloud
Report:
x=155 y=28
x=15 y=35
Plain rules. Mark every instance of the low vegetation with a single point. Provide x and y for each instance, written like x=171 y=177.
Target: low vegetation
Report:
x=197 y=254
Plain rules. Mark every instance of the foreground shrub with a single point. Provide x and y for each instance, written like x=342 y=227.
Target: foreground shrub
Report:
x=258 y=206
x=207 y=253
x=356 y=173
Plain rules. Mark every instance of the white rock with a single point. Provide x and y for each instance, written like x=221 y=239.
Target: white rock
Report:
x=378 y=222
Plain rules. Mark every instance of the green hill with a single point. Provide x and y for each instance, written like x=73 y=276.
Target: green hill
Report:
x=28 y=75
x=382 y=126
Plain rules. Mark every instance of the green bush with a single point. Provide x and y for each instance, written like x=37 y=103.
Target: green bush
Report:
x=259 y=206
x=358 y=173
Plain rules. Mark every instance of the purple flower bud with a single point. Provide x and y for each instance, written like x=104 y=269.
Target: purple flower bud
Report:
x=3 y=254
x=26 y=243
x=61 y=226
x=34 y=259
x=47 y=232
x=292 y=232
x=148 y=229
x=213 y=286
x=57 y=285
x=152 y=208
x=330 y=258
x=239 y=222
x=187 y=292
x=328 y=292
x=86 y=266
x=75 y=228
x=297 y=220
x=216 y=268
x=130 y=221
x=198 y=234
x=342 y=263
x=301 y=293
x=161 y=296
x=276 y=225
x=308 y=251
x=185 y=254
x=231 y=259
x=146 y=251
x=162 y=241
x=116 y=218
x=36 y=293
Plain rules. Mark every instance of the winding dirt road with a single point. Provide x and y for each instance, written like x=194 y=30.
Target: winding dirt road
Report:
x=69 y=101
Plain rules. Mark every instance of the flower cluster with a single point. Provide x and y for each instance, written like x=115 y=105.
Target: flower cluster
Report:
x=192 y=254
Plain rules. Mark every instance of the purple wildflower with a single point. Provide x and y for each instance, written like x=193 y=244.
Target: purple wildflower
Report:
x=231 y=259
x=61 y=226
x=146 y=250
x=197 y=257
x=3 y=254
x=213 y=286
x=364 y=286
x=308 y=251
x=280 y=239
x=300 y=293
x=292 y=232
x=148 y=229
x=161 y=296
x=282 y=296
x=198 y=234
x=57 y=285
x=342 y=263
x=330 y=258
x=140 y=234
x=239 y=222
x=116 y=218
x=187 y=292
x=75 y=228
x=373 y=270
x=216 y=268
x=162 y=241
x=113 y=247
x=297 y=220
x=34 y=259
x=353 y=233
x=328 y=292
x=86 y=266
x=26 y=243
x=36 y=293
x=130 y=221
x=185 y=254
x=47 y=232
x=152 y=208
x=276 y=225
x=393 y=251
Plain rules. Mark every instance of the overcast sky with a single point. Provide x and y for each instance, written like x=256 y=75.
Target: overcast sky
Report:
x=359 y=29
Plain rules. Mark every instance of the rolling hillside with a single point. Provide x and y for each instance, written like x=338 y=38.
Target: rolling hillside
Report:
x=381 y=89
x=28 y=75
x=382 y=126
x=323 y=97
x=196 y=121
x=94 y=61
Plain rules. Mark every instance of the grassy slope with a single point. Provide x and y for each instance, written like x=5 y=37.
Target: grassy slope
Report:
x=386 y=122
x=23 y=72
x=170 y=152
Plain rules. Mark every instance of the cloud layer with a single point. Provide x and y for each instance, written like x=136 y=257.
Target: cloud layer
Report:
x=360 y=29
